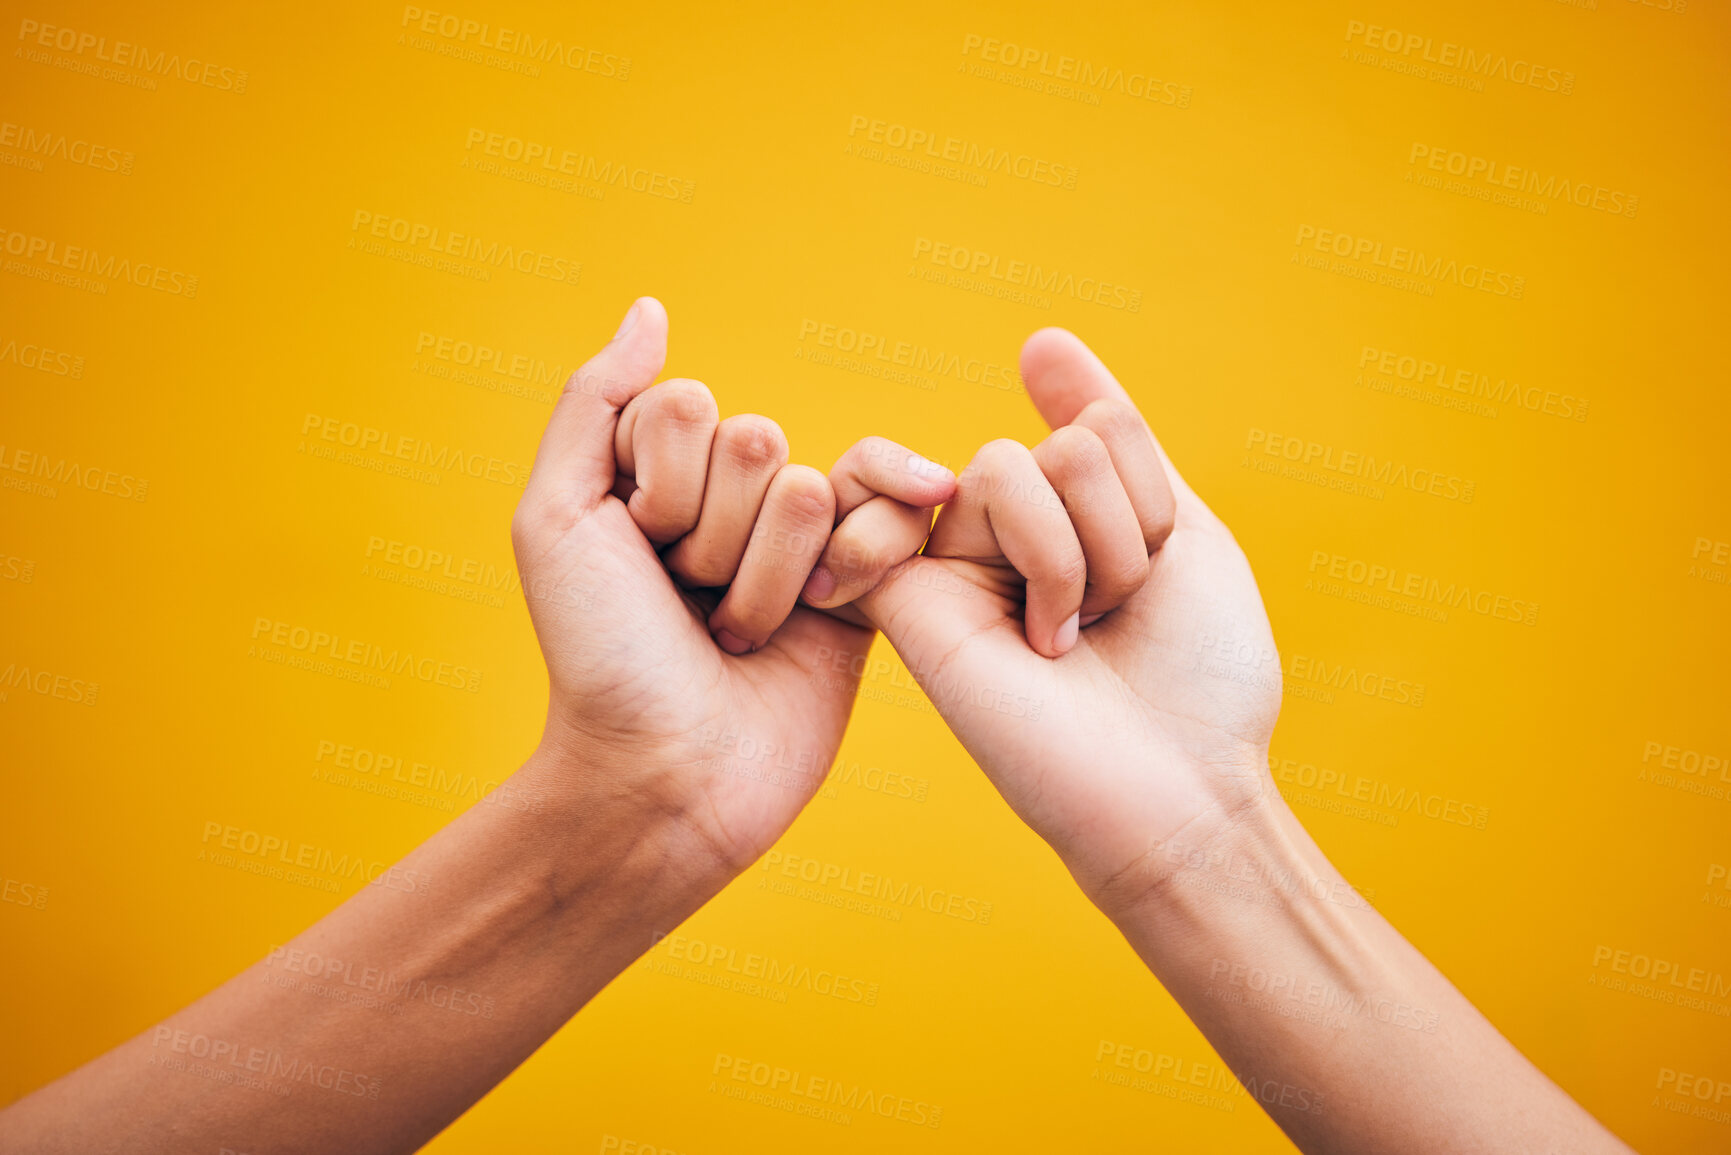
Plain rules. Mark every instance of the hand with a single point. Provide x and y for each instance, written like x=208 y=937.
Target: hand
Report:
x=646 y=709
x=1092 y=633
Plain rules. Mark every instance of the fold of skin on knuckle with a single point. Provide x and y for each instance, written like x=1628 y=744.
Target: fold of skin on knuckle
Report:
x=542 y=518
x=679 y=410
x=756 y=444
x=699 y=564
x=593 y=380
x=1119 y=424
x=1076 y=453
x=664 y=517
x=1115 y=583
x=1111 y=417
x=997 y=459
x=1076 y=464
x=803 y=495
x=749 y=616
x=1064 y=573
x=682 y=401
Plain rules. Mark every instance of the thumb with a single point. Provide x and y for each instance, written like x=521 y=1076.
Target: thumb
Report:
x=576 y=451
x=1063 y=376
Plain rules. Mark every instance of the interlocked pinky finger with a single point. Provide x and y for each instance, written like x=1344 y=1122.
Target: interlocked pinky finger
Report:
x=877 y=535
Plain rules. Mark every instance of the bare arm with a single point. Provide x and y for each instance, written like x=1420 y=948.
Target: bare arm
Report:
x=526 y=912
x=461 y=960
x=1344 y=1032
x=1096 y=584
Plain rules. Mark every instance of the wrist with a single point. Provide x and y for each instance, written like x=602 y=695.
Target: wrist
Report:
x=611 y=819
x=1235 y=850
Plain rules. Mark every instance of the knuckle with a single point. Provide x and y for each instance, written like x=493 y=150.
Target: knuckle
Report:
x=1075 y=451
x=1068 y=570
x=662 y=517
x=751 y=616
x=1001 y=453
x=700 y=563
x=1121 y=576
x=682 y=401
x=753 y=441
x=994 y=467
x=1111 y=417
x=804 y=494
x=542 y=516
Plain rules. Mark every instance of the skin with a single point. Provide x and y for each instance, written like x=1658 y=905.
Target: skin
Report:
x=632 y=812
x=1146 y=769
x=1081 y=575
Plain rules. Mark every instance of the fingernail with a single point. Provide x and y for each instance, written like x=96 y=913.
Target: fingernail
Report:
x=1067 y=633
x=732 y=643
x=819 y=585
x=630 y=320
x=1091 y=619
x=927 y=468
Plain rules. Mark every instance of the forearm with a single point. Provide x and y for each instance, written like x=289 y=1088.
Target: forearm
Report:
x=1349 y=1038
x=387 y=1019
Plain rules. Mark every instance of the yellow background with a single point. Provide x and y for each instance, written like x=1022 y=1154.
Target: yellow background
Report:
x=1285 y=124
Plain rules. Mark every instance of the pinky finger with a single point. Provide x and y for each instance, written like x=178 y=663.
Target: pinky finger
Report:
x=872 y=539
x=875 y=466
